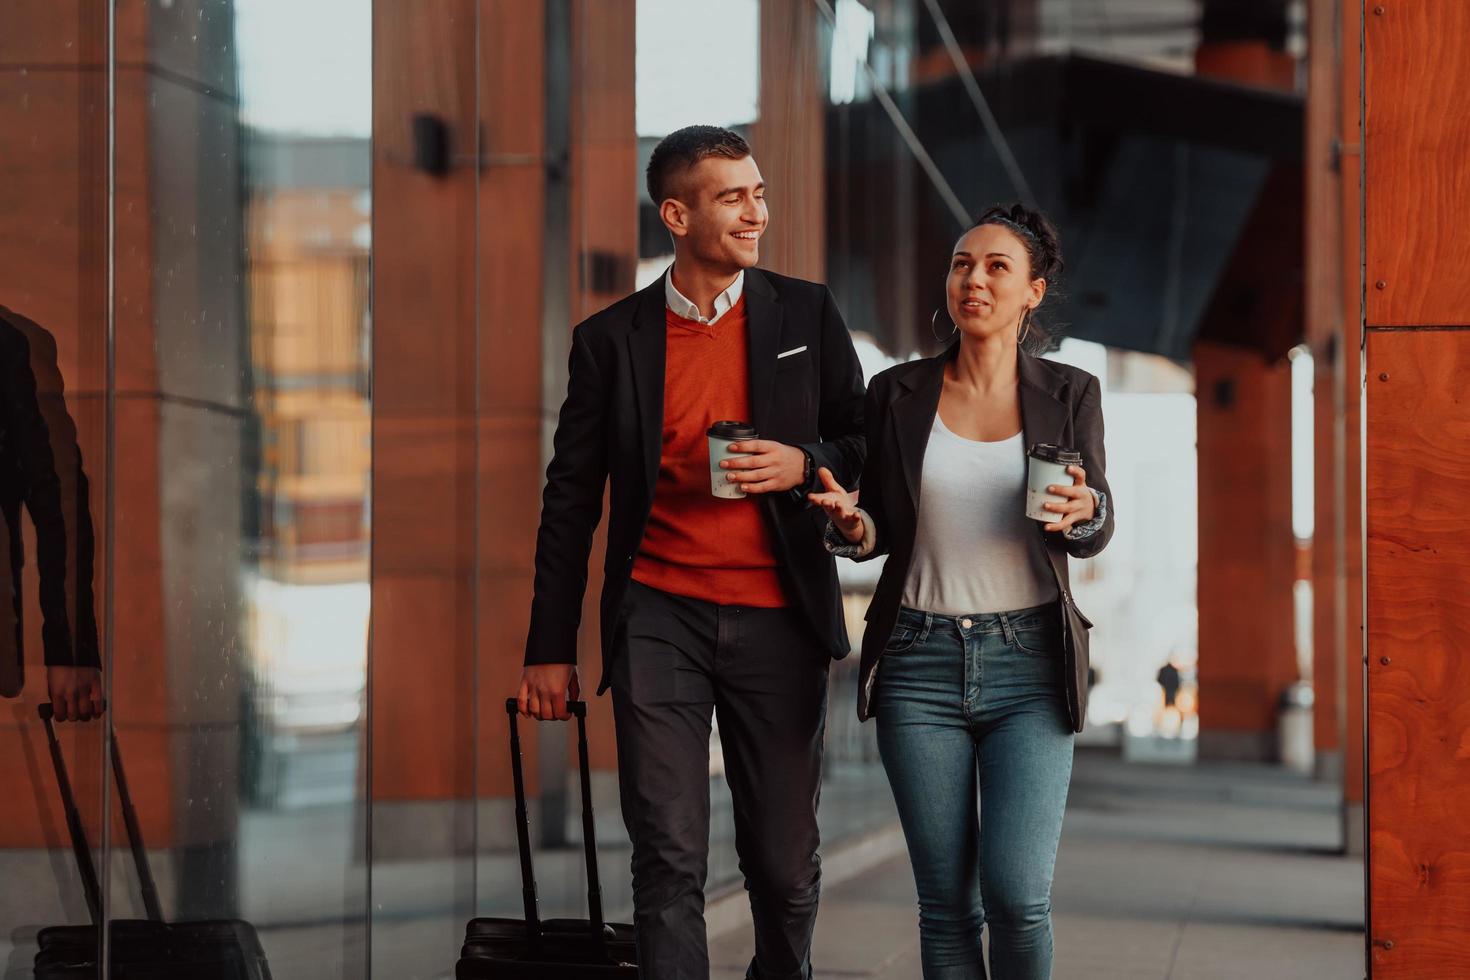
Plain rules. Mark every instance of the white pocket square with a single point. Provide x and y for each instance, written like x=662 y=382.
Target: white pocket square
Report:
x=788 y=353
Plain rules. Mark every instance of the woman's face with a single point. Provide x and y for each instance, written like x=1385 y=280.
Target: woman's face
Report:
x=990 y=282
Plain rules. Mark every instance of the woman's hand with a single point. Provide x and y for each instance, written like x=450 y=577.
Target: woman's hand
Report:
x=840 y=506
x=1080 y=506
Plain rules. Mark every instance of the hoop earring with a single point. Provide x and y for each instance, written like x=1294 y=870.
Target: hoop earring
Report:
x=1024 y=330
x=933 y=322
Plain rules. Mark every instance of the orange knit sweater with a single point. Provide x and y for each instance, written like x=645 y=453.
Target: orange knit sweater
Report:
x=696 y=544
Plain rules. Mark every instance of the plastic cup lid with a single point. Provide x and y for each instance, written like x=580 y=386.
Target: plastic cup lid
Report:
x=732 y=430
x=1047 y=453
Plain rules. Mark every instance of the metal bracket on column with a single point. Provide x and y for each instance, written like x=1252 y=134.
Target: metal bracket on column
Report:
x=433 y=152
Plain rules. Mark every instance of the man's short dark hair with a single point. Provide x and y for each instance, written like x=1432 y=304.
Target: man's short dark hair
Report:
x=679 y=151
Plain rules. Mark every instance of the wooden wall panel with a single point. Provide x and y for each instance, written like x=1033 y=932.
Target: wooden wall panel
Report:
x=1418 y=77
x=53 y=213
x=1416 y=172
x=69 y=33
x=424 y=230
x=1418 y=641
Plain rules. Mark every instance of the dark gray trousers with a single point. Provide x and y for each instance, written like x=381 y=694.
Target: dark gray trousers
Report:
x=679 y=662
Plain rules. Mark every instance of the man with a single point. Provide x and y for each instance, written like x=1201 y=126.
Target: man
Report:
x=709 y=605
x=41 y=470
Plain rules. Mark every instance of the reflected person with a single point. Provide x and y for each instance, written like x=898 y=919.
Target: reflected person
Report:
x=974 y=661
x=710 y=606
x=41 y=473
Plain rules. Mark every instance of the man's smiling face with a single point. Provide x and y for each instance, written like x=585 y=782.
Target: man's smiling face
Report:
x=726 y=212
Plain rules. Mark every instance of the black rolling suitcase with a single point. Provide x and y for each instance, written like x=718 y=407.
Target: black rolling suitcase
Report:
x=140 y=949
x=556 y=949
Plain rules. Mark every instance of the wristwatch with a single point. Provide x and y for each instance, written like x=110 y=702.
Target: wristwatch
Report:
x=808 y=467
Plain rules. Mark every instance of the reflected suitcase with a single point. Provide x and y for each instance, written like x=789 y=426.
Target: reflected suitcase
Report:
x=140 y=949
x=554 y=949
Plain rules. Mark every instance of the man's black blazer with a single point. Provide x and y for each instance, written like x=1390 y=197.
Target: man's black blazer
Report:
x=1060 y=405
x=611 y=430
x=41 y=471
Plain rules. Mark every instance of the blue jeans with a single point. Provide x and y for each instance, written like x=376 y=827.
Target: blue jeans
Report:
x=978 y=707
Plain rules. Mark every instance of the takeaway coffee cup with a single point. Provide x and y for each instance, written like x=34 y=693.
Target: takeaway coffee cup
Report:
x=1047 y=467
x=721 y=436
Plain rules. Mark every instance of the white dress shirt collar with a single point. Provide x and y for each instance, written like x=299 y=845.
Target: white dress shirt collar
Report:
x=682 y=305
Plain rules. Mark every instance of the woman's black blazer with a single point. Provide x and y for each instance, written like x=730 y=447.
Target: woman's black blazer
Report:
x=1060 y=404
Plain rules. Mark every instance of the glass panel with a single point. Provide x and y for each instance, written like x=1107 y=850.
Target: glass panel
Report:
x=242 y=421
x=53 y=461
x=424 y=686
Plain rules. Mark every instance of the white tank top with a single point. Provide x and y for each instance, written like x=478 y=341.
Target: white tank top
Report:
x=976 y=551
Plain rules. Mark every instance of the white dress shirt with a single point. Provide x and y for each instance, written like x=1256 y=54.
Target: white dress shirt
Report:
x=682 y=305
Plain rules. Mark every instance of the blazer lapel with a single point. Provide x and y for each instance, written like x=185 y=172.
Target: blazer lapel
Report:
x=1044 y=412
x=763 y=338
x=913 y=417
x=647 y=347
x=1045 y=418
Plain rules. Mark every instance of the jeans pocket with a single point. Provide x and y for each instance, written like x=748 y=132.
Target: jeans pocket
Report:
x=901 y=639
x=1041 y=640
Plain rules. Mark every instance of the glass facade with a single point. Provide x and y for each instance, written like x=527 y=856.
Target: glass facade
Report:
x=290 y=287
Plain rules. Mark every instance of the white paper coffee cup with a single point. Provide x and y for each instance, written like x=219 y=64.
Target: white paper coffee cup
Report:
x=722 y=435
x=1047 y=466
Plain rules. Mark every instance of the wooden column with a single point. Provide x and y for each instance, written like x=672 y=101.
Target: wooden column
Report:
x=1334 y=308
x=1247 y=552
x=1333 y=302
x=1246 y=555
x=789 y=139
x=479 y=276
x=601 y=259
x=1417 y=437
x=1322 y=245
x=510 y=268
x=424 y=437
x=1349 y=602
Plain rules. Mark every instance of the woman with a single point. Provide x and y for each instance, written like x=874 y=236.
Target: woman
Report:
x=974 y=661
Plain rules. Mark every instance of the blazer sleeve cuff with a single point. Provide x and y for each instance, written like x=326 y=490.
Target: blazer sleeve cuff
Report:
x=1077 y=532
x=837 y=545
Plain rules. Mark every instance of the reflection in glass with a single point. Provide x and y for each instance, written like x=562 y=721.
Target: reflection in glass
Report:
x=242 y=438
x=42 y=478
x=305 y=112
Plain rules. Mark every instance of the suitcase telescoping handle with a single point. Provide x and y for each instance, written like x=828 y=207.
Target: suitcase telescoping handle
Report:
x=578 y=710
x=79 y=845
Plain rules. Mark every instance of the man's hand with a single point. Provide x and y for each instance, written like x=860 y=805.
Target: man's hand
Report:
x=1080 y=506
x=76 y=692
x=546 y=689
x=774 y=466
x=841 y=506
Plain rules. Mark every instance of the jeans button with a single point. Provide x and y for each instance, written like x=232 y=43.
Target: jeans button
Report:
x=966 y=622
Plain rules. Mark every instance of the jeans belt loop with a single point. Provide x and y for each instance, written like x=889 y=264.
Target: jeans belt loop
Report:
x=928 y=624
x=1008 y=628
